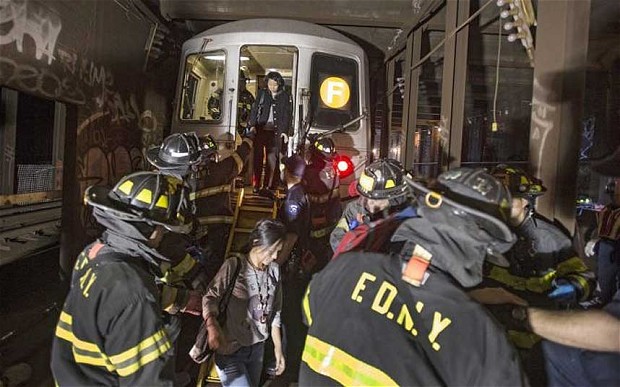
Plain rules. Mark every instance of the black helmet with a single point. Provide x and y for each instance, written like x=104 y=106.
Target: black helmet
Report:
x=475 y=193
x=326 y=147
x=154 y=198
x=518 y=182
x=177 y=151
x=383 y=179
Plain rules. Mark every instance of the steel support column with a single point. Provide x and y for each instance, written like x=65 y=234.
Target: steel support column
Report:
x=412 y=86
x=454 y=81
x=557 y=103
x=8 y=127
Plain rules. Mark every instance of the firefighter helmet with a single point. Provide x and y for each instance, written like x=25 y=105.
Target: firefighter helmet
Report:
x=326 y=147
x=474 y=193
x=177 y=151
x=383 y=179
x=518 y=182
x=154 y=198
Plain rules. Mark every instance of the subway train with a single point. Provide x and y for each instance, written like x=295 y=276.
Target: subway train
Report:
x=325 y=72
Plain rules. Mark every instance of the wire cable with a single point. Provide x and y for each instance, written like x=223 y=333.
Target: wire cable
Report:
x=450 y=35
x=499 y=53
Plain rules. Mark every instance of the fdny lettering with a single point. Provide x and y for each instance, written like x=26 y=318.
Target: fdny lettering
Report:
x=383 y=298
x=86 y=281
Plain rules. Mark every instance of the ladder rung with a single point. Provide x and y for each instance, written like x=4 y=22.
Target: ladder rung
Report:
x=246 y=230
x=255 y=209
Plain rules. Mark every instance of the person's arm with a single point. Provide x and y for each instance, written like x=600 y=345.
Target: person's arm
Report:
x=211 y=301
x=276 y=336
x=594 y=330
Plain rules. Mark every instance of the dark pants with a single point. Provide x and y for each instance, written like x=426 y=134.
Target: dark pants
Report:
x=269 y=142
x=608 y=268
x=568 y=366
x=214 y=247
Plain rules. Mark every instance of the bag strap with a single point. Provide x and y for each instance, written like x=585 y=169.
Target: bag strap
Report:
x=229 y=289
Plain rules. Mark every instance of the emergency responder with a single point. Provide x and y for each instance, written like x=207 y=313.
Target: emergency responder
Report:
x=211 y=182
x=244 y=104
x=322 y=186
x=382 y=191
x=111 y=330
x=185 y=279
x=402 y=318
x=542 y=268
x=271 y=117
x=606 y=245
x=295 y=210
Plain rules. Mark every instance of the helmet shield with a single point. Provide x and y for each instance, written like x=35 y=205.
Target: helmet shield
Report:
x=179 y=150
x=383 y=179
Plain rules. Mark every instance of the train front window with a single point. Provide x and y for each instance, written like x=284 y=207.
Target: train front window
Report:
x=203 y=87
x=334 y=91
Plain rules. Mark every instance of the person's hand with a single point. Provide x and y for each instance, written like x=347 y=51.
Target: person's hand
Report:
x=194 y=303
x=496 y=296
x=280 y=362
x=589 y=250
x=215 y=335
x=563 y=291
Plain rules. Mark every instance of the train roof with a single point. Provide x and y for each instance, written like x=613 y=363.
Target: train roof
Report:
x=282 y=26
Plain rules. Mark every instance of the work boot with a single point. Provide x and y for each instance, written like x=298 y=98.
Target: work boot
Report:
x=15 y=375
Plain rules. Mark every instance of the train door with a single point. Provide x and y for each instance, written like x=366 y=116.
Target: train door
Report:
x=256 y=61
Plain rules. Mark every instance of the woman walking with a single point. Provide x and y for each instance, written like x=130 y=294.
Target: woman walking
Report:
x=253 y=311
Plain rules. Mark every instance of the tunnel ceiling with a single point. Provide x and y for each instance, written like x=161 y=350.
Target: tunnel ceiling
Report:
x=373 y=21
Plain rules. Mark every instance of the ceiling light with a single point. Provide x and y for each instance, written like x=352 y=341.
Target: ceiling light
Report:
x=215 y=57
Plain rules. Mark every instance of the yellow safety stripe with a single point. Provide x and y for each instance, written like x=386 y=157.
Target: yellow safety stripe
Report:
x=342 y=367
x=585 y=286
x=571 y=266
x=203 y=193
x=83 y=351
x=523 y=340
x=178 y=272
x=149 y=349
x=320 y=199
x=238 y=160
x=306 y=306
x=343 y=224
x=168 y=298
x=534 y=284
x=321 y=232
x=215 y=219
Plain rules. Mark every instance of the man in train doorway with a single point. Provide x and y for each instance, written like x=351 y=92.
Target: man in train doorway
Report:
x=271 y=116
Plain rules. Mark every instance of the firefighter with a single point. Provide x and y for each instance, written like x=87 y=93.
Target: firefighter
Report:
x=184 y=279
x=402 y=318
x=322 y=187
x=244 y=104
x=111 y=330
x=606 y=245
x=382 y=191
x=542 y=268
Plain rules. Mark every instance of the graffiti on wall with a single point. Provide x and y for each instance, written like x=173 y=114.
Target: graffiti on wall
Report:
x=25 y=18
x=542 y=123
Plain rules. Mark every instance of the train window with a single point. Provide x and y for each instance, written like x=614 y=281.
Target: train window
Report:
x=203 y=87
x=334 y=91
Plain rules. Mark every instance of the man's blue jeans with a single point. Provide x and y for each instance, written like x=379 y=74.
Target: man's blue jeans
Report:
x=242 y=368
x=608 y=261
x=568 y=366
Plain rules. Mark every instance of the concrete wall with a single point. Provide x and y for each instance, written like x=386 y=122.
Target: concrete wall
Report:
x=88 y=54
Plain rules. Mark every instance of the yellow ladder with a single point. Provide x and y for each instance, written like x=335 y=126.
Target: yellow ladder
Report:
x=249 y=209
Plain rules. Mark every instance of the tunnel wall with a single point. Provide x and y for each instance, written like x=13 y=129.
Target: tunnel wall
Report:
x=89 y=55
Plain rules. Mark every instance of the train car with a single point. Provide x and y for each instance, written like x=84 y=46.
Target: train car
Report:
x=325 y=72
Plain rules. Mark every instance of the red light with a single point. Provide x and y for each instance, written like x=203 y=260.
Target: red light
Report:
x=343 y=166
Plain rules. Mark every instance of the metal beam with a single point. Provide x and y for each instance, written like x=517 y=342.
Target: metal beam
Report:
x=454 y=81
x=8 y=128
x=557 y=103
x=412 y=86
